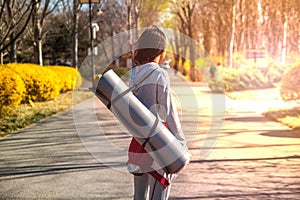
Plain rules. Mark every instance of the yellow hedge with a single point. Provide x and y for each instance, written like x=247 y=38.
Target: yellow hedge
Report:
x=24 y=82
x=290 y=83
x=12 y=89
x=69 y=78
x=41 y=83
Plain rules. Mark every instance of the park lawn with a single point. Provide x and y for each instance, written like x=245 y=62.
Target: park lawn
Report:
x=27 y=114
x=289 y=117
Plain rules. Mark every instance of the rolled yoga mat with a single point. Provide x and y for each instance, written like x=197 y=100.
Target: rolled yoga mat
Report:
x=161 y=144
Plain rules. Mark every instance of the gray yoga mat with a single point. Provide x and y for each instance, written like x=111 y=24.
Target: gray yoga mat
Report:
x=161 y=144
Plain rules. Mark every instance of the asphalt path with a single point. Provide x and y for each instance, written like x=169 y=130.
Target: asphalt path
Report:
x=81 y=153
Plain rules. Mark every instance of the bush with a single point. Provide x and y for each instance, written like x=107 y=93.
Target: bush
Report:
x=286 y=116
x=12 y=89
x=216 y=86
x=290 y=84
x=29 y=82
x=231 y=80
x=122 y=72
x=41 y=83
x=274 y=72
x=68 y=78
x=253 y=77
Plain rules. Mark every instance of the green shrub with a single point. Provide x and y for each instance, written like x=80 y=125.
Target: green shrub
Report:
x=274 y=71
x=68 y=78
x=41 y=83
x=231 y=80
x=290 y=84
x=253 y=77
x=12 y=89
x=216 y=86
x=123 y=72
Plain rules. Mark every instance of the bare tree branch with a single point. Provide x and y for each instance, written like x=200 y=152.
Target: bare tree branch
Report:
x=13 y=28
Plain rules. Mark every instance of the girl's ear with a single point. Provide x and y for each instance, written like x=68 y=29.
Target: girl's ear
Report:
x=162 y=56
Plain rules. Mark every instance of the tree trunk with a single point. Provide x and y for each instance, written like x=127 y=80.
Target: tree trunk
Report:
x=231 y=45
x=38 y=56
x=283 y=52
x=136 y=18
x=298 y=37
x=75 y=35
x=298 y=28
x=113 y=47
x=192 y=60
x=1 y=58
x=40 y=49
x=13 y=49
x=13 y=54
x=191 y=45
x=129 y=26
x=177 y=56
x=38 y=53
x=285 y=26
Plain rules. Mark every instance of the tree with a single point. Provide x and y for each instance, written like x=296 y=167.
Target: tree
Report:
x=57 y=41
x=232 y=33
x=41 y=10
x=111 y=21
x=152 y=13
x=14 y=18
x=71 y=10
x=75 y=18
x=184 y=11
x=272 y=25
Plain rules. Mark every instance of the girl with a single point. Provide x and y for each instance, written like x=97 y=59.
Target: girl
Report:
x=155 y=93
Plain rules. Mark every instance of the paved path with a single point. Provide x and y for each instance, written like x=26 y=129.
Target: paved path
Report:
x=81 y=154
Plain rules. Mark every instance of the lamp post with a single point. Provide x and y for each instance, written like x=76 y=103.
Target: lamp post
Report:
x=91 y=35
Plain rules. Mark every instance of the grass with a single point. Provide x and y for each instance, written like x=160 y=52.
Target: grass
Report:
x=289 y=117
x=262 y=94
x=27 y=114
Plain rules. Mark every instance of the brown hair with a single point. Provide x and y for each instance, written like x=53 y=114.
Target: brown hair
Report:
x=151 y=43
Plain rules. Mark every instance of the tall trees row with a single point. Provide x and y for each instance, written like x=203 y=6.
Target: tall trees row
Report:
x=227 y=26
x=47 y=31
x=14 y=18
x=43 y=31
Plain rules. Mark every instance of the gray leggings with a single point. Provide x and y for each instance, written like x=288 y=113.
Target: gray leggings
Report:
x=148 y=188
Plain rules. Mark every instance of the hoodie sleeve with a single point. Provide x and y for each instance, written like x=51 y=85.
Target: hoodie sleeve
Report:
x=167 y=108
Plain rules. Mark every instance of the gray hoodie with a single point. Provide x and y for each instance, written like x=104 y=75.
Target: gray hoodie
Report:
x=155 y=93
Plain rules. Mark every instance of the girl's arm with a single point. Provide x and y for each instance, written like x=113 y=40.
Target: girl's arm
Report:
x=168 y=110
